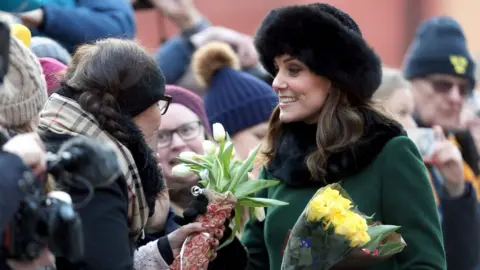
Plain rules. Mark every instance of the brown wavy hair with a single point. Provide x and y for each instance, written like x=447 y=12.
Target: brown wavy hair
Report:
x=98 y=74
x=338 y=126
x=101 y=71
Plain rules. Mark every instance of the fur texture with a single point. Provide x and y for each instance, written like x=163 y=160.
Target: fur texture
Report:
x=327 y=40
x=210 y=58
x=298 y=140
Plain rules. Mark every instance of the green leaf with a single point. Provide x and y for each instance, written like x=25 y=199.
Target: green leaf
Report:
x=260 y=202
x=391 y=248
x=237 y=225
x=378 y=233
x=252 y=186
x=195 y=164
x=246 y=166
x=217 y=172
x=227 y=157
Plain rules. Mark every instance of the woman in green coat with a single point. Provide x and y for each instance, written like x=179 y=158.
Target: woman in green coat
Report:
x=325 y=130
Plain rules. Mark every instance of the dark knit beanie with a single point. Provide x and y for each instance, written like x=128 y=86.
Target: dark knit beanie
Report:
x=122 y=67
x=439 y=47
x=328 y=41
x=234 y=98
x=190 y=100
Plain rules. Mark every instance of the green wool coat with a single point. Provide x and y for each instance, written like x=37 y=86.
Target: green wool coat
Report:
x=394 y=187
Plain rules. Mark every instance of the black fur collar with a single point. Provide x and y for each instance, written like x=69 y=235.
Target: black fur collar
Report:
x=150 y=174
x=297 y=141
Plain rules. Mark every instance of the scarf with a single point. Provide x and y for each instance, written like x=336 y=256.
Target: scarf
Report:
x=64 y=116
x=298 y=140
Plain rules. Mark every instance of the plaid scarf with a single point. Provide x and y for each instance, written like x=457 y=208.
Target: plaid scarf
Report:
x=65 y=116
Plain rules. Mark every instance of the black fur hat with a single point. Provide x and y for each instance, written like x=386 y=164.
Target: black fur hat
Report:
x=327 y=40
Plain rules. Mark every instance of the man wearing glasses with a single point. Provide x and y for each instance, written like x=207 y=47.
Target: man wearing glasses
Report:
x=442 y=75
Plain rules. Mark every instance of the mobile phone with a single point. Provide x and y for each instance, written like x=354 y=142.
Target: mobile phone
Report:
x=4 y=50
x=424 y=138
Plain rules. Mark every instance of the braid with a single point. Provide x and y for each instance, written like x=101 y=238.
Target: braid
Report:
x=102 y=105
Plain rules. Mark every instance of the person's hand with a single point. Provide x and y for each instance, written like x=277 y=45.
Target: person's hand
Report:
x=32 y=18
x=197 y=206
x=29 y=147
x=182 y=12
x=45 y=258
x=448 y=159
x=243 y=44
x=178 y=237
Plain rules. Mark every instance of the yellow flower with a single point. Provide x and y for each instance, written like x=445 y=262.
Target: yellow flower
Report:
x=316 y=210
x=354 y=227
x=347 y=227
x=337 y=215
x=327 y=205
x=359 y=239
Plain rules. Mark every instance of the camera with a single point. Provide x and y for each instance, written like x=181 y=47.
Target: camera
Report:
x=43 y=219
x=4 y=50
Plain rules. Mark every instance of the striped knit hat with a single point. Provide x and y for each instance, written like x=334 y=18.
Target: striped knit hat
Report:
x=24 y=91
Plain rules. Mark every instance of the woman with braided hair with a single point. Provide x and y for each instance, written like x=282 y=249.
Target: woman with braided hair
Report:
x=114 y=91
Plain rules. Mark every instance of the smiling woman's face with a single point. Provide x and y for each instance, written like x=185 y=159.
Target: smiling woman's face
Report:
x=301 y=92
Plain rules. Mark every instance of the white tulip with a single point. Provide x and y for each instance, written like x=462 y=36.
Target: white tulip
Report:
x=218 y=132
x=209 y=147
x=259 y=213
x=188 y=155
x=204 y=174
x=181 y=170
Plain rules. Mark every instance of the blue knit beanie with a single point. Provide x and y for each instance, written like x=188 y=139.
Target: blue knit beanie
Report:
x=439 y=47
x=233 y=98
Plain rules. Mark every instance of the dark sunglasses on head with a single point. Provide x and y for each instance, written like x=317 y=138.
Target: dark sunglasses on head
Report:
x=164 y=103
x=445 y=86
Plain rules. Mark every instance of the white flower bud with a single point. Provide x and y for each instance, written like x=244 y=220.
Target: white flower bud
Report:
x=181 y=170
x=218 y=132
x=204 y=174
x=259 y=213
x=209 y=148
x=188 y=155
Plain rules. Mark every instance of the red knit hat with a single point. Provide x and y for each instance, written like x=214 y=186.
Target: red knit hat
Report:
x=190 y=100
x=52 y=71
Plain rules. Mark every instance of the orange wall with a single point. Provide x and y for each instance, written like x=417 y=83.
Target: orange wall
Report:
x=382 y=22
x=466 y=12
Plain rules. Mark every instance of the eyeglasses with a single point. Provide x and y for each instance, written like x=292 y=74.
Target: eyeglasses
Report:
x=164 y=103
x=187 y=132
x=443 y=86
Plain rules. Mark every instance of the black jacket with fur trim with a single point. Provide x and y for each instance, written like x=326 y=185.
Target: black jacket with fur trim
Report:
x=383 y=174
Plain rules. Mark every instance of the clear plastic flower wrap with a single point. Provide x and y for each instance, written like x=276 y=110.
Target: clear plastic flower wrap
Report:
x=332 y=234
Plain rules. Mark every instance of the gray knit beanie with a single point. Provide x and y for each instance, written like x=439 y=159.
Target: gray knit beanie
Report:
x=24 y=91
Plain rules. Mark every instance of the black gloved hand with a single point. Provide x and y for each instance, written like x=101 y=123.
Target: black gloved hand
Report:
x=198 y=206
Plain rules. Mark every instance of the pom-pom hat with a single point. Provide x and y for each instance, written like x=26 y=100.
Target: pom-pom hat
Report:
x=234 y=98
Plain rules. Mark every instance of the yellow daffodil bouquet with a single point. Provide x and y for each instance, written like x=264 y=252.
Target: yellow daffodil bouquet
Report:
x=332 y=234
x=225 y=182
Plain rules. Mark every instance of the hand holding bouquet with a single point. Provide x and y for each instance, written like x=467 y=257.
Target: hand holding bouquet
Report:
x=227 y=187
x=332 y=234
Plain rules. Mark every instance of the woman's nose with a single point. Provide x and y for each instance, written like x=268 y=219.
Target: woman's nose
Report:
x=278 y=83
x=177 y=142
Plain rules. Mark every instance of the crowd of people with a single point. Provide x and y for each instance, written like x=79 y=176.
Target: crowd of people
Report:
x=307 y=86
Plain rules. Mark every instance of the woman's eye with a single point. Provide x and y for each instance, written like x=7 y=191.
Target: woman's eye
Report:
x=293 y=70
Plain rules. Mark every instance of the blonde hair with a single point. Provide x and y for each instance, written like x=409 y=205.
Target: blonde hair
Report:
x=392 y=80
